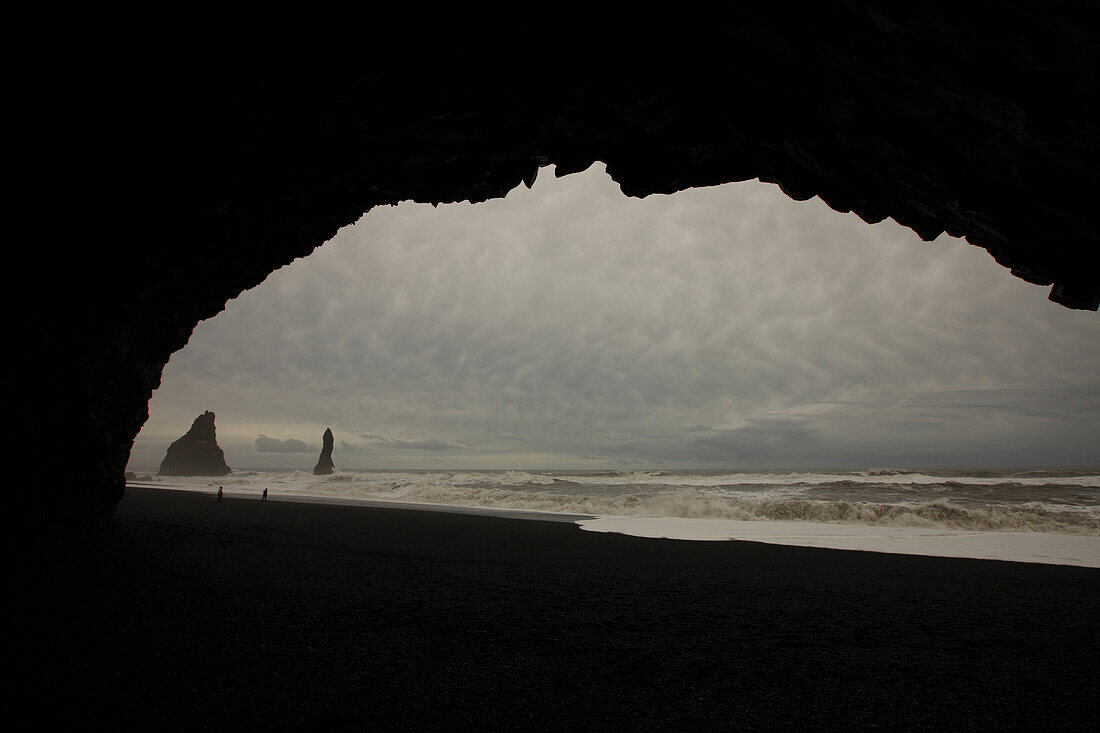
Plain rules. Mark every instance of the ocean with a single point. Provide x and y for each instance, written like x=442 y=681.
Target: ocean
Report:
x=1060 y=501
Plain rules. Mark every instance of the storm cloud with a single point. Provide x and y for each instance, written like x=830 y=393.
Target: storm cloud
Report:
x=571 y=326
x=265 y=444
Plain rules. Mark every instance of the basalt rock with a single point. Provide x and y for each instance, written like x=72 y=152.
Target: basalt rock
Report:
x=196 y=453
x=324 y=464
x=186 y=178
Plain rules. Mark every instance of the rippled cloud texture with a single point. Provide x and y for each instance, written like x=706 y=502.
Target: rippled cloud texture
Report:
x=569 y=326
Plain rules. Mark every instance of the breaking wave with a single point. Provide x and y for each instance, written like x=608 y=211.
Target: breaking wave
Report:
x=1047 y=501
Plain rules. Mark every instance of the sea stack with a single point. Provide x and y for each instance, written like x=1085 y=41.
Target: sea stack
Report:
x=324 y=463
x=196 y=453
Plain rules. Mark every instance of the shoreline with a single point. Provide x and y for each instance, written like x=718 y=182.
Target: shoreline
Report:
x=187 y=613
x=1034 y=547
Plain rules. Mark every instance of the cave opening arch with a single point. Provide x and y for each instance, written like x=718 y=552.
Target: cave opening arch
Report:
x=200 y=179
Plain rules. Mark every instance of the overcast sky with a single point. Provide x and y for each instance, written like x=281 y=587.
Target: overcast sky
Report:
x=569 y=326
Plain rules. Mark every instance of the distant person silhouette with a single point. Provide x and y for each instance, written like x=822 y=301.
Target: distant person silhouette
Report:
x=219 y=493
x=264 y=497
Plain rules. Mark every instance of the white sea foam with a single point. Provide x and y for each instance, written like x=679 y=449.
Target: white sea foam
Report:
x=1011 y=546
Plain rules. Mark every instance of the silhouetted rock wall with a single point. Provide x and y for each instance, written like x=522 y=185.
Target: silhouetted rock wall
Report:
x=199 y=174
x=324 y=462
x=197 y=452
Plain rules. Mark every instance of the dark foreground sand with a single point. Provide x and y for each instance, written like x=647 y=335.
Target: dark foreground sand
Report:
x=190 y=614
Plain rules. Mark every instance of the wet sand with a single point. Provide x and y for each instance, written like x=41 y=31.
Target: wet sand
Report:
x=190 y=614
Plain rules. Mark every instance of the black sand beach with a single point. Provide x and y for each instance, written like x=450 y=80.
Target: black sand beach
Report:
x=190 y=614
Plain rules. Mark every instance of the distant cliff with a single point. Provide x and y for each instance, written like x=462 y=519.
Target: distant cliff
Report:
x=196 y=453
x=324 y=463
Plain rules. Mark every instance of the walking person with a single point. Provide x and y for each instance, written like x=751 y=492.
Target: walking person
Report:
x=219 y=493
x=264 y=497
